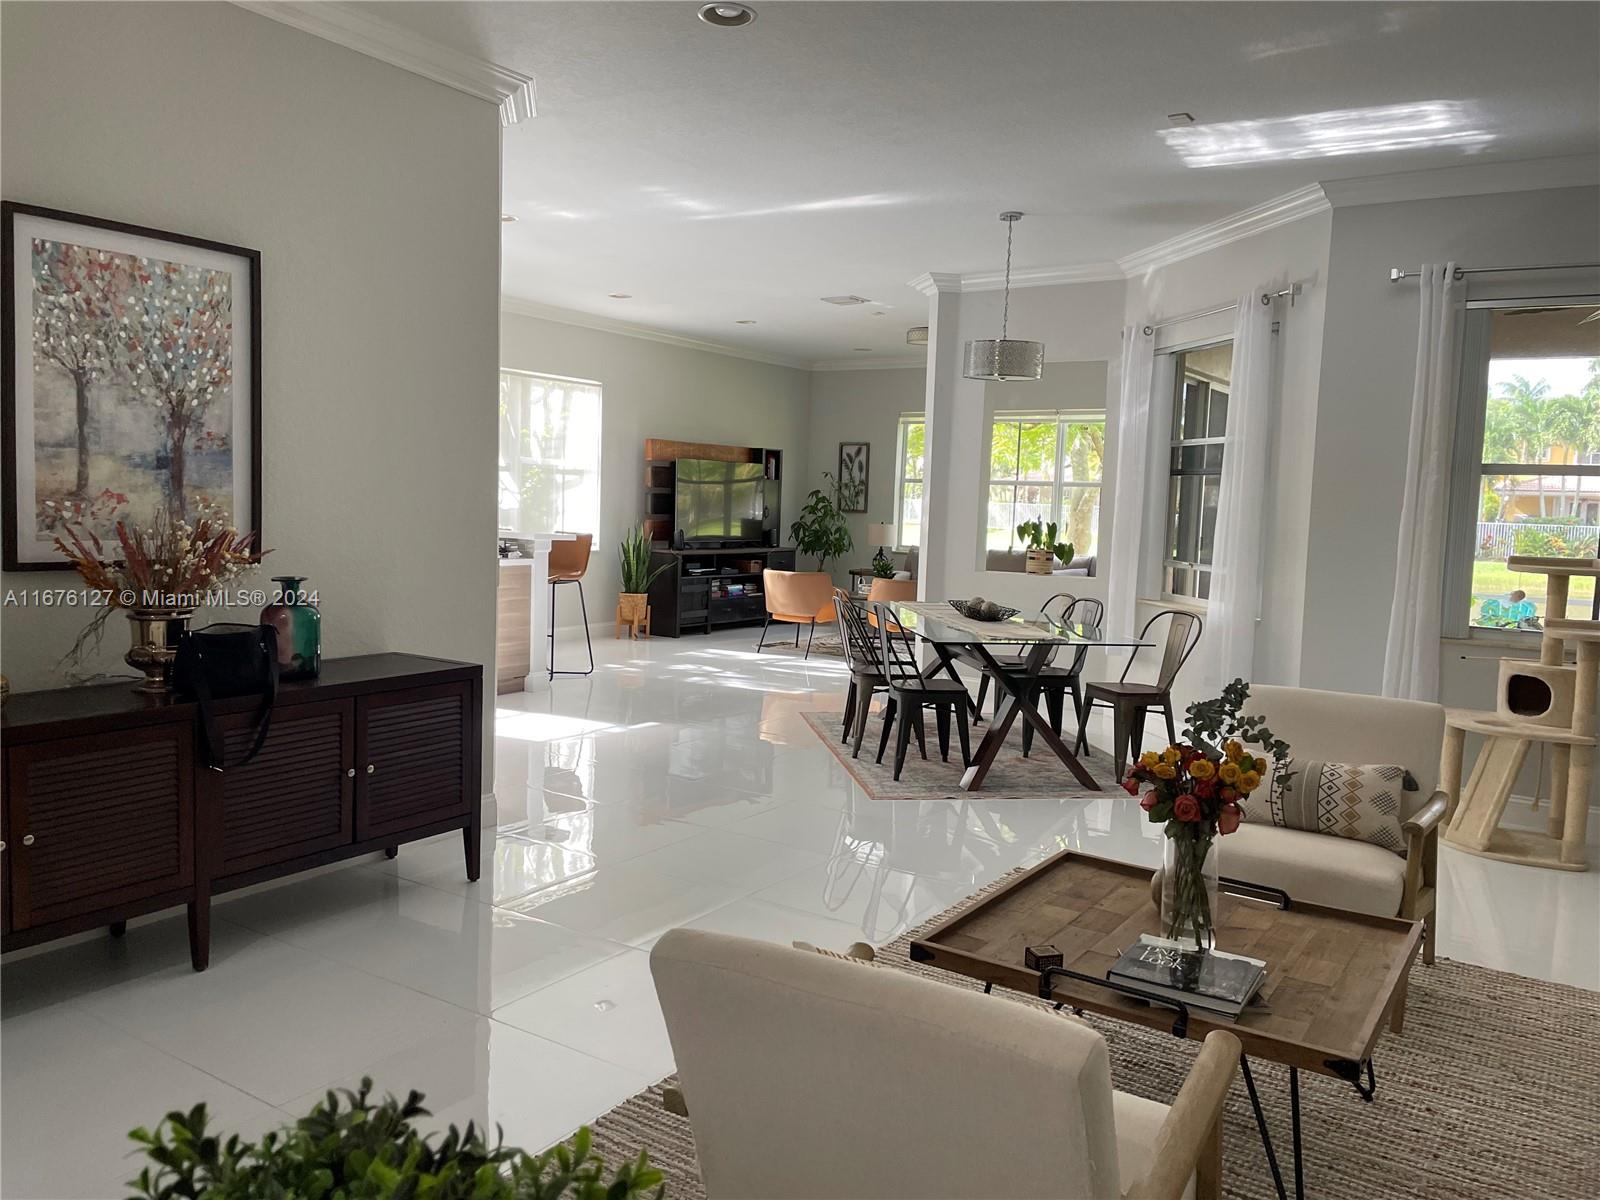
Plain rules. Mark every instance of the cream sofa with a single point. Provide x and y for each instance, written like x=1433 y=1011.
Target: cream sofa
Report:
x=1318 y=868
x=808 y=1076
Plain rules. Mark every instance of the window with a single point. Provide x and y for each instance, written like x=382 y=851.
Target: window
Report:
x=1046 y=467
x=1526 y=475
x=549 y=453
x=1199 y=422
x=911 y=455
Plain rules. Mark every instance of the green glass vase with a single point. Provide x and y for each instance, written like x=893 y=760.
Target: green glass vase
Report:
x=295 y=616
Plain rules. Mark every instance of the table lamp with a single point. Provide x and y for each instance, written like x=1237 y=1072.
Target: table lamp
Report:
x=881 y=532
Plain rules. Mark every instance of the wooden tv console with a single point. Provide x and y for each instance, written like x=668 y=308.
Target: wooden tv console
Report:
x=108 y=812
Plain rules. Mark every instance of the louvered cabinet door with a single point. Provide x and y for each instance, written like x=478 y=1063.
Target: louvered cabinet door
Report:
x=98 y=821
x=411 y=758
x=295 y=797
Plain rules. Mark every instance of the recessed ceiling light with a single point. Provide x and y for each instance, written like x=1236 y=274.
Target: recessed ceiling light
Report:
x=507 y=218
x=863 y=349
x=744 y=322
x=726 y=15
x=845 y=301
x=620 y=295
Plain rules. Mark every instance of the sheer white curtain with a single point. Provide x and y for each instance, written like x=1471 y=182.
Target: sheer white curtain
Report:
x=1235 y=600
x=1124 y=556
x=1411 y=657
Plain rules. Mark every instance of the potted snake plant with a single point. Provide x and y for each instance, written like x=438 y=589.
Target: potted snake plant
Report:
x=634 y=556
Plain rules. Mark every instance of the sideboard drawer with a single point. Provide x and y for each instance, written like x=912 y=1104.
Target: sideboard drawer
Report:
x=98 y=821
x=412 y=758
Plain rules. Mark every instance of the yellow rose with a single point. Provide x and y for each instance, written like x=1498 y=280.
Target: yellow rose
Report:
x=1171 y=754
x=1261 y=766
x=1202 y=768
x=1249 y=782
x=1149 y=758
x=1228 y=772
x=1233 y=749
x=1164 y=770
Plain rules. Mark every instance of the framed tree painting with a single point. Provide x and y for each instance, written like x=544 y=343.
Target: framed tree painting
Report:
x=853 y=460
x=132 y=380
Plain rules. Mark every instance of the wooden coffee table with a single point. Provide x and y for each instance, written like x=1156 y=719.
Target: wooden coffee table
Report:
x=1332 y=976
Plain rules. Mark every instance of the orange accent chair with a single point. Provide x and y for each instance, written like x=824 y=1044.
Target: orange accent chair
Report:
x=569 y=562
x=889 y=591
x=799 y=598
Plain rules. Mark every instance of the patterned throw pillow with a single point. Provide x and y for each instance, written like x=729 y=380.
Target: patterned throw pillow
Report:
x=1350 y=801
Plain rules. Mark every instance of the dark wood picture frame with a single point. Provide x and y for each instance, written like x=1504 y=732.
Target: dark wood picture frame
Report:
x=9 y=211
x=849 y=454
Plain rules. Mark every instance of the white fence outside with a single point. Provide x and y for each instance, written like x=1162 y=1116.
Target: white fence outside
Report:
x=1497 y=540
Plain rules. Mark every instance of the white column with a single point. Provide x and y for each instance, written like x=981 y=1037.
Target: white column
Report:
x=944 y=367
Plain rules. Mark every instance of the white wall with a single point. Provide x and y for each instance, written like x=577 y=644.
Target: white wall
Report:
x=372 y=195
x=654 y=389
x=1269 y=261
x=1364 y=396
x=861 y=406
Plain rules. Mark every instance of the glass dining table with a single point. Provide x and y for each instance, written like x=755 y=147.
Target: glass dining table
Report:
x=1029 y=642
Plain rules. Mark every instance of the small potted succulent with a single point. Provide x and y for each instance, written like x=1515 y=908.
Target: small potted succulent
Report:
x=634 y=557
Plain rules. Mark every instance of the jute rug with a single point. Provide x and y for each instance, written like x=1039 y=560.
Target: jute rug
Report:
x=1492 y=1091
x=1041 y=776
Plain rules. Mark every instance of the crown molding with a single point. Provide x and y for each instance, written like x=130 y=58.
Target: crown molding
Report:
x=567 y=316
x=931 y=283
x=347 y=25
x=899 y=362
x=993 y=281
x=1471 y=179
x=1304 y=202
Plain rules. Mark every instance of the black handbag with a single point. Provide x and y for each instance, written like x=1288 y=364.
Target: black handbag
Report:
x=222 y=661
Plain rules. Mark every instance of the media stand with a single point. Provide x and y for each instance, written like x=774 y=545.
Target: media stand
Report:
x=702 y=590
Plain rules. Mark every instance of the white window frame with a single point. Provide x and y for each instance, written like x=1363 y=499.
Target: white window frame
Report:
x=901 y=478
x=1061 y=417
x=1467 y=469
x=560 y=468
x=1164 y=562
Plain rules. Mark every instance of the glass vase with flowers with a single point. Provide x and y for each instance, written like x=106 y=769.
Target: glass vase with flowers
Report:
x=1193 y=788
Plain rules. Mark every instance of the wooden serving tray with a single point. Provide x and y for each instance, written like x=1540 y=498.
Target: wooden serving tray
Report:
x=1332 y=975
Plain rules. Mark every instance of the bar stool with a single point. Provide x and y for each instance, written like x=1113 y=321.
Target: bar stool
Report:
x=569 y=562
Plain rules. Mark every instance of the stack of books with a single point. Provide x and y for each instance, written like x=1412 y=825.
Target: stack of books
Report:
x=1225 y=987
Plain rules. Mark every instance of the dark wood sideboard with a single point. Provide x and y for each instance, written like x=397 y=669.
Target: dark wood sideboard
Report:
x=108 y=811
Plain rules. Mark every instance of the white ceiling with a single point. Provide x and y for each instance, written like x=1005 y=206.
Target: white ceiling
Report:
x=829 y=148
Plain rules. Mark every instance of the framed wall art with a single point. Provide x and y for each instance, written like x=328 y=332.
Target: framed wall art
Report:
x=132 y=379
x=853 y=462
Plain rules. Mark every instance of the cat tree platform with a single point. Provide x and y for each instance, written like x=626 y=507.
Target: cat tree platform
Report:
x=1545 y=702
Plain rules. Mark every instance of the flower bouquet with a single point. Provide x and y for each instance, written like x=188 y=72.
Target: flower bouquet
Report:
x=1194 y=789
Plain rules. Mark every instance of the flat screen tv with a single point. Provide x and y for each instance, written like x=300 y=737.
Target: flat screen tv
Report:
x=719 y=502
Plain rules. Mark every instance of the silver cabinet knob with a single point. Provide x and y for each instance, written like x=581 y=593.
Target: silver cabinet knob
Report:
x=27 y=839
x=350 y=773
x=2 y=846
x=371 y=769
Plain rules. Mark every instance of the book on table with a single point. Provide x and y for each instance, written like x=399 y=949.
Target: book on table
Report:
x=1157 y=967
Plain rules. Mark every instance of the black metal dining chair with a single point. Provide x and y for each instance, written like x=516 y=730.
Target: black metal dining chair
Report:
x=1061 y=601
x=1056 y=683
x=861 y=655
x=1130 y=702
x=910 y=693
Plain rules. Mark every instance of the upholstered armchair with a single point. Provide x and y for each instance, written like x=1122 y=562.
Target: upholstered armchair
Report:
x=805 y=1075
x=1320 y=868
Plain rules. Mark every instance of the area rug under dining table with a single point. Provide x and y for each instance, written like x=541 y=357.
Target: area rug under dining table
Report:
x=1490 y=1092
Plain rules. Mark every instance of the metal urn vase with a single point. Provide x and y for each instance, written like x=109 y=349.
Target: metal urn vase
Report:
x=295 y=616
x=156 y=634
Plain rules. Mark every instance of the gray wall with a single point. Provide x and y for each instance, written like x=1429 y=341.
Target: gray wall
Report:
x=654 y=389
x=372 y=196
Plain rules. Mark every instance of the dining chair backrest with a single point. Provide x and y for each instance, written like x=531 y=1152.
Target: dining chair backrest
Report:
x=1177 y=643
x=895 y=651
x=860 y=649
x=1057 y=606
x=1088 y=612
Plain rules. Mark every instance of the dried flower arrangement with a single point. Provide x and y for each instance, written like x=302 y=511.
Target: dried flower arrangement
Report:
x=168 y=565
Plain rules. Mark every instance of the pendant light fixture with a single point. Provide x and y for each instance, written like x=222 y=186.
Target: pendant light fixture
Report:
x=1003 y=359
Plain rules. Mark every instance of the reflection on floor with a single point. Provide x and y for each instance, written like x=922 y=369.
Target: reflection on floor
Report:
x=676 y=786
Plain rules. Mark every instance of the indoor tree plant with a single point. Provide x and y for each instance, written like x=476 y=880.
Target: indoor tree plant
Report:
x=634 y=556
x=355 y=1149
x=822 y=529
x=1194 y=790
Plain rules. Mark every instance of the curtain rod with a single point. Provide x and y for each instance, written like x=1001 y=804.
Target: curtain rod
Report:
x=1396 y=274
x=1291 y=291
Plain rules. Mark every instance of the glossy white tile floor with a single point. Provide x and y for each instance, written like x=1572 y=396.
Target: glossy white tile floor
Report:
x=676 y=786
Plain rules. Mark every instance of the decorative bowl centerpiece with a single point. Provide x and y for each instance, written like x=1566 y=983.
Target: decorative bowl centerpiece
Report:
x=979 y=609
